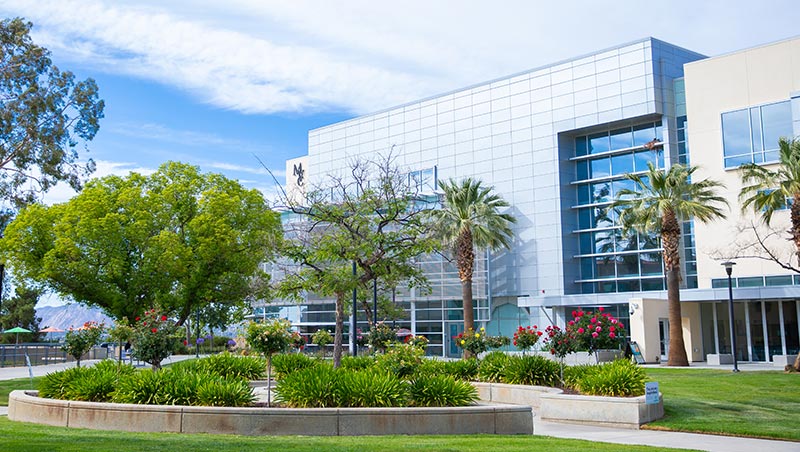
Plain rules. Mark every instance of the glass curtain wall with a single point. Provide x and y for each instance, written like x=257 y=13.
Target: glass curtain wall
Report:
x=610 y=261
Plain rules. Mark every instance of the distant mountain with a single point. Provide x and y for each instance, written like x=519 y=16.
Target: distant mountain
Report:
x=71 y=315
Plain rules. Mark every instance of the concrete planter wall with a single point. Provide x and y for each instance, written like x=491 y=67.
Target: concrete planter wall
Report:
x=25 y=406
x=627 y=412
x=513 y=394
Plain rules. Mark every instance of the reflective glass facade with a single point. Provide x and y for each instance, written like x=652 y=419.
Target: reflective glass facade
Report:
x=751 y=135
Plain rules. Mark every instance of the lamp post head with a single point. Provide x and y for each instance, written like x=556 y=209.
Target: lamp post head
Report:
x=728 y=266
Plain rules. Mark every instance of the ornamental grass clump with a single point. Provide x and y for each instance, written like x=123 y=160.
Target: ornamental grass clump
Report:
x=222 y=392
x=531 y=370
x=284 y=364
x=620 y=378
x=441 y=390
x=313 y=387
x=596 y=330
x=357 y=362
x=370 y=388
x=464 y=369
x=574 y=374
x=56 y=384
x=227 y=365
x=492 y=367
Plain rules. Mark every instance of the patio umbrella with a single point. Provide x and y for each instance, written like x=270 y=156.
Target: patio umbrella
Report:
x=402 y=332
x=51 y=329
x=17 y=330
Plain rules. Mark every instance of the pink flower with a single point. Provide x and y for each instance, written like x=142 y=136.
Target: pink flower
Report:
x=594 y=320
x=598 y=329
x=594 y=335
x=612 y=329
x=534 y=327
x=539 y=333
x=163 y=318
x=612 y=335
x=621 y=326
x=600 y=309
x=613 y=320
x=571 y=323
x=154 y=330
x=574 y=313
x=580 y=330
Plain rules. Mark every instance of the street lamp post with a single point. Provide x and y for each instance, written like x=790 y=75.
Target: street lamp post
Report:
x=729 y=269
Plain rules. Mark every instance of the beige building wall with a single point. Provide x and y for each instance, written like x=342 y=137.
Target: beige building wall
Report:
x=643 y=327
x=757 y=76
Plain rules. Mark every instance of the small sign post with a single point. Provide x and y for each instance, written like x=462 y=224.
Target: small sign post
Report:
x=651 y=393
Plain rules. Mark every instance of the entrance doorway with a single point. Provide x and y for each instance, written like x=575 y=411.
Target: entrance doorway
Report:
x=663 y=336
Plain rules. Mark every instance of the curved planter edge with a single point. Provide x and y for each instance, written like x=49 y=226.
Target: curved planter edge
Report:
x=26 y=406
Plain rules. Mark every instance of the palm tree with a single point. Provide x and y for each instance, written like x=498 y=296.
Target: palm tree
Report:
x=470 y=217
x=661 y=200
x=766 y=191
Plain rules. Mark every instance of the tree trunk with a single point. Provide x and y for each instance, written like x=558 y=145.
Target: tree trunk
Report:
x=465 y=260
x=677 y=348
x=797 y=363
x=339 y=333
x=670 y=240
x=466 y=297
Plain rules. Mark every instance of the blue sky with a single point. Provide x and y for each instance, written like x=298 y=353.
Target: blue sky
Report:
x=215 y=83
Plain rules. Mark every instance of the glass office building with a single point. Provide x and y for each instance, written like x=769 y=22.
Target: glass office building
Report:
x=556 y=143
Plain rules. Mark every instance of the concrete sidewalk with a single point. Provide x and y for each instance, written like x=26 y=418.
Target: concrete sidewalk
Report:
x=714 y=443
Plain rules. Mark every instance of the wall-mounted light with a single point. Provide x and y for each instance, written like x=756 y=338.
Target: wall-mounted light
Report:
x=632 y=307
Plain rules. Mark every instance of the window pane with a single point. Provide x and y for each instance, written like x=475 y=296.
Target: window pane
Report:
x=784 y=280
x=731 y=162
x=622 y=138
x=642 y=158
x=606 y=287
x=651 y=263
x=622 y=164
x=755 y=123
x=653 y=284
x=580 y=146
x=583 y=194
x=584 y=218
x=777 y=122
x=582 y=169
x=604 y=243
x=598 y=143
x=601 y=192
x=621 y=184
x=736 y=133
x=586 y=243
x=604 y=267
x=587 y=268
x=628 y=286
x=627 y=265
x=627 y=242
x=751 y=282
x=648 y=241
x=602 y=217
x=643 y=134
x=600 y=168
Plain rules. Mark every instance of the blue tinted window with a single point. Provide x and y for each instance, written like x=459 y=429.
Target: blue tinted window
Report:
x=580 y=146
x=598 y=143
x=621 y=184
x=643 y=134
x=621 y=164
x=622 y=138
x=582 y=169
x=777 y=122
x=586 y=243
x=651 y=263
x=652 y=284
x=601 y=192
x=584 y=219
x=603 y=242
x=600 y=168
x=755 y=123
x=603 y=217
x=736 y=132
x=587 y=268
x=642 y=158
x=583 y=194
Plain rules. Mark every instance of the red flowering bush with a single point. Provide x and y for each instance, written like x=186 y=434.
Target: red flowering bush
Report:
x=154 y=337
x=526 y=337
x=476 y=342
x=596 y=330
x=561 y=342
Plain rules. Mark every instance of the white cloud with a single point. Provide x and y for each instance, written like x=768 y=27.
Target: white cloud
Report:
x=266 y=56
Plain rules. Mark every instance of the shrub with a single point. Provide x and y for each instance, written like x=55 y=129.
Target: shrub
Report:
x=286 y=364
x=154 y=337
x=78 y=342
x=621 y=378
x=531 y=370
x=400 y=359
x=357 y=362
x=561 y=343
x=308 y=388
x=322 y=338
x=417 y=341
x=381 y=336
x=370 y=388
x=221 y=392
x=145 y=388
x=180 y=387
x=98 y=383
x=465 y=369
x=573 y=374
x=527 y=337
x=269 y=337
x=441 y=390
x=430 y=367
x=596 y=330
x=492 y=367
x=55 y=384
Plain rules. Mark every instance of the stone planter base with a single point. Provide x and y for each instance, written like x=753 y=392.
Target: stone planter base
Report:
x=625 y=412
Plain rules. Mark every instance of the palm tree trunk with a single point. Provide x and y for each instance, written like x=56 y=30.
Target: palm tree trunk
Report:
x=795 y=231
x=466 y=299
x=465 y=260
x=339 y=333
x=670 y=240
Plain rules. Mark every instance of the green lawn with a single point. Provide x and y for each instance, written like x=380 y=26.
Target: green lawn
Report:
x=27 y=437
x=6 y=386
x=759 y=404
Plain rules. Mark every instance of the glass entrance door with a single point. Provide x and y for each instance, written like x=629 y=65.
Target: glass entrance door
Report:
x=663 y=334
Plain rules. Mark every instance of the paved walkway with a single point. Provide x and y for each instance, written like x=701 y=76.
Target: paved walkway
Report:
x=713 y=443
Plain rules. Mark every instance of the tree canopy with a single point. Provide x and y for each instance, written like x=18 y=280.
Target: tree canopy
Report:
x=354 y=230
x=177 y=239
x=45 y=115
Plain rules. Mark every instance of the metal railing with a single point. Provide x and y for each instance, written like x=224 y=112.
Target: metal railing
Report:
x=14 y=355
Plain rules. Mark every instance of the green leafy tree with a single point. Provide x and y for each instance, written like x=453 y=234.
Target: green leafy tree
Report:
x=78 y=342
x=765 y=191
x=658 y=204
x=45 y=115
x=470 y=217
x=20 y=310
x=321 y=338
x=353 y=231
x=177 y=239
